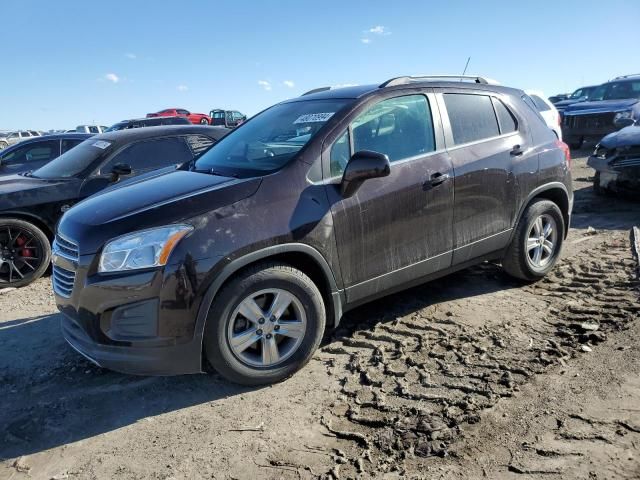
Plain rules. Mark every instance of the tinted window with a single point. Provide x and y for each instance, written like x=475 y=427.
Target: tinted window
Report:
x=471 y=116
x=199 y=144
x=41 y=151
x=531 y=104
x=93 y=130
x=540 y=104
x=218 y=114
x=151 y=154
x=69 y=144
x=14 y=135
x=183 y=112
x=506 y=119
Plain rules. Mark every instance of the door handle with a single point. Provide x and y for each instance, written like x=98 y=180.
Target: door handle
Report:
x=437 y=179
x=516 y=151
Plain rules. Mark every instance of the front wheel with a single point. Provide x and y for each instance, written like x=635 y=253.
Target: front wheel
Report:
x=264 y=325
x=25 y=252
x=204 y=121
x=3 y=145
x=537 y=242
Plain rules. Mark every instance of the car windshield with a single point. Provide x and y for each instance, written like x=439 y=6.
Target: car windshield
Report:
x=581 y=92
x=74 y=161
x=116 y=126
x=617 y=91
x=270 y=140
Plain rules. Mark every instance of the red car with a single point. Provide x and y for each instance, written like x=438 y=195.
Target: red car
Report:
x=197 y=118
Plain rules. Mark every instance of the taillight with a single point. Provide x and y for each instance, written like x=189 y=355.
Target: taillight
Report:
x=567 y=152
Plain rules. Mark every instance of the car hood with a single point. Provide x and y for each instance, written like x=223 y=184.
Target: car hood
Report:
x=566 y=103
x=624 y=137
x=172 y=197
x=17 y=191
x=600 y=106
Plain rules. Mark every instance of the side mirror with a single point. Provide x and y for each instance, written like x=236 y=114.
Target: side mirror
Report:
x=120 y=170
x=362 y=166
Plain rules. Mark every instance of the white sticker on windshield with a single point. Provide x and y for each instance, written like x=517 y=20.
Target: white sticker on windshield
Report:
x=314 y=117
x=101 y=144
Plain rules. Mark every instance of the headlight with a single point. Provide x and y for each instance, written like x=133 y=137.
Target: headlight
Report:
x=622 y=115
x=143 y=249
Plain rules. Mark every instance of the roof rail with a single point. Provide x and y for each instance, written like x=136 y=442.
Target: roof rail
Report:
x=316 y=90
x=430 y=78
x=626 y=76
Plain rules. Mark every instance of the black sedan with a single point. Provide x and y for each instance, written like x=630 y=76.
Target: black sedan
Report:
x=31 y=203
x=36 y=152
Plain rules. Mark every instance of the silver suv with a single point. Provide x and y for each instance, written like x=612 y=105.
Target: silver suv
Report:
x=12 y=138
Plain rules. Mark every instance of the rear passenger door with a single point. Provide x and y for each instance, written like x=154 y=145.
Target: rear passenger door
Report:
x=397 y=228
x=484 y=139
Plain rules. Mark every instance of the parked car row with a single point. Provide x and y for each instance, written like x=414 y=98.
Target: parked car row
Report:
x=244 y=254
x=217 y=117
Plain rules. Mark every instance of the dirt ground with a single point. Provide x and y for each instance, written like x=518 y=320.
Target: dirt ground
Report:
x=471 y=376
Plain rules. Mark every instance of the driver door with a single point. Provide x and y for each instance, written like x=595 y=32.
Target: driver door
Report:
x=398 y=228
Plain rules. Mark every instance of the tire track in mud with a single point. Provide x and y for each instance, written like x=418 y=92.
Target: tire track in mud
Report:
x=411 y=378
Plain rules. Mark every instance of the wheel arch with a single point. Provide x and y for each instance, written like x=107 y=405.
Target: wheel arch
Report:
x=302 y=256
x=34 y=219
x=557 y=193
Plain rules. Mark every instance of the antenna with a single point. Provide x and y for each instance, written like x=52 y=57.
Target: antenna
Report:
x=466 y=65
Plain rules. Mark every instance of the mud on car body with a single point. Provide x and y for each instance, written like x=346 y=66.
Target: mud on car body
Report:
x=616 y=161
x=314 y=206
x=31 y=203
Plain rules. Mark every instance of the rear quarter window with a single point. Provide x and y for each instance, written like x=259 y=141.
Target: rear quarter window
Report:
x=471 y=116
x=541 y=105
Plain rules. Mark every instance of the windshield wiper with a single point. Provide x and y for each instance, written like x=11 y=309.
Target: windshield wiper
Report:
x=213 y=171
x=28 y=173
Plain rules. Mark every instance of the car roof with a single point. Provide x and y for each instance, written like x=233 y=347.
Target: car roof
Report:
x=133 y=134
x=359 y=91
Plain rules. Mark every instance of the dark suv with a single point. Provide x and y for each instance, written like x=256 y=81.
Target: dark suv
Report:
x=314 y=206
x=148 y=122
x=610 y=107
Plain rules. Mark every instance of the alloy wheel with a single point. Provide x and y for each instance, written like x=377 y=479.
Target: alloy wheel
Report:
x=542 y=241
x=267 y=327
x=20 y=254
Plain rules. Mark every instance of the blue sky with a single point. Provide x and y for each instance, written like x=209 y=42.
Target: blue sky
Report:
x=66 y=63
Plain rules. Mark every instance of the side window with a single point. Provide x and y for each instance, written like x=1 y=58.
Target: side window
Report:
x=540 y=104
x=69 y=144
x=151 y=154
x=506 y=119
x=399 y=127
x=14 y=135
x=199 y=144
x=531 y=104
x=340 y=154
x=471 y=116
x=38 y=152
x=93 y=130
x=182 y=112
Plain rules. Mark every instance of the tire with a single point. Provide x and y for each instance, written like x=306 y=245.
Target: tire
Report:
x=518 y=261
x=3 y=145
x=253 y=366
x=204 y=121
x=25 y=252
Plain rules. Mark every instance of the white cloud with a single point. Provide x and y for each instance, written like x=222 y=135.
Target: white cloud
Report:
x=112 y=77
x=131 y=56
x=182 y=88
x=289 y=83
x=264 y=84
x=365 y=40
x=379 y=30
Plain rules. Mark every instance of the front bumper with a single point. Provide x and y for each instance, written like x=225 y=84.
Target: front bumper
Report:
x=139 y=322
x=160 y=360
x=617 y=174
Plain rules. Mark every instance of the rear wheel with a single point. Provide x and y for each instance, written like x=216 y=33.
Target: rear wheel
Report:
x=537 y=242
x=25 y=252
x=3 y=145
x=264 y=325
x=204 y=121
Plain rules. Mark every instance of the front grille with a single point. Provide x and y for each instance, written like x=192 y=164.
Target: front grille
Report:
x=63 y=281
x=592 y=120
x=66 y=248
x=627 y=157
